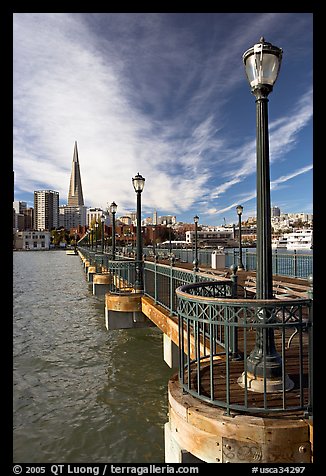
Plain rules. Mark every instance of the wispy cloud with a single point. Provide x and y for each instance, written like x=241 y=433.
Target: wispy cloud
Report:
x=140 y=93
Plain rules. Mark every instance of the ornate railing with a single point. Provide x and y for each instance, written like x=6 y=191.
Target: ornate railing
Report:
x=161 y=282
x=218 y=337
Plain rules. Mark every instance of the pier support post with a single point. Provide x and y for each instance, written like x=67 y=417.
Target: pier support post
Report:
x=101 y=284
x=170 y=352
x=90 y=273
x=124 y=311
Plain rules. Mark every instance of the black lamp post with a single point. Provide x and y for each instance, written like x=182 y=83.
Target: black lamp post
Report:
x=154 y=249
x=239 y=212
x=195 y=262
x=92 y=238
x=113 y=210
x=138 y=182
x=96 y=227
x=170 y=241
x=102 y=233
x=262 y=64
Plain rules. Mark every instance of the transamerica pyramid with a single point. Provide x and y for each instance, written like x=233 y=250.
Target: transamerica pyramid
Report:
x=75 y=195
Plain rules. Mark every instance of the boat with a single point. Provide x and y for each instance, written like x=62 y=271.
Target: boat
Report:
x=280 y=243
x=300 y=239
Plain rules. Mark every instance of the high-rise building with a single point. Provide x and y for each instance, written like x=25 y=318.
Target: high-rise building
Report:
x=46 y=209
x=73 y=214
x=19 y=206
x=75 y=194
x=155 y=220
x=275 y=211
x=72 y=217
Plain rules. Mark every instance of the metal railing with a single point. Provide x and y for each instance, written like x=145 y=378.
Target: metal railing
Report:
x=161 y=282
x=296 y=265
x=218 y=334
x=122 y=271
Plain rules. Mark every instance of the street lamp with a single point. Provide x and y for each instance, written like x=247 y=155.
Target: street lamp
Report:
x=138 y=182
x=92 y=238
x=170 y=241
x=239 y=212
x=102 y=233
x=262 y=64
x=113 y=210
x=154 y=249
x=195 y=262
x=96 y=227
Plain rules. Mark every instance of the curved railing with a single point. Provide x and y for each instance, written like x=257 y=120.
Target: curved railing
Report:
x=251 y=356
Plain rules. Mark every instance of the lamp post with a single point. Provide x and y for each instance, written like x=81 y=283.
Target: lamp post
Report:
x=195 y=262
x=92 y=238
x=262 y=64
x=154 y=249
x=96 y=227
x=138 y=182
x=102 y=233
x=239 y=212
x=113 y=210
x=170 y=243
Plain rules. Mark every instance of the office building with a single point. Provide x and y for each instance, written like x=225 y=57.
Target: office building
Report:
x=46 y=209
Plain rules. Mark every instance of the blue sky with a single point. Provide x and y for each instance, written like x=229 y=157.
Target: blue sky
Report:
x=165 y=95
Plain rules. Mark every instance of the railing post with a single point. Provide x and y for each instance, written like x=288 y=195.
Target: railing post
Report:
x=295 y=265
x=234 y=279
x=155 y=278
x=310 y=291
x=310 y=373
x=235 y=354
x=276 y=262
x=172 y=261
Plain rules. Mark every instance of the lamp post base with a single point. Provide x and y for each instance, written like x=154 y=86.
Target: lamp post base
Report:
x=256 y=384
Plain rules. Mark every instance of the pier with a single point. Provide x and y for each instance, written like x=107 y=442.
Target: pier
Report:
x=221 y=408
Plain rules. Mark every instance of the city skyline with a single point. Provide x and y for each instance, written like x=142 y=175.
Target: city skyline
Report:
x=164 y=95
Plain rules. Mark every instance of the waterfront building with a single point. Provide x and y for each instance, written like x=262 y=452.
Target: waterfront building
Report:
x=223 y=237
x=46 y=209
x=32 y=240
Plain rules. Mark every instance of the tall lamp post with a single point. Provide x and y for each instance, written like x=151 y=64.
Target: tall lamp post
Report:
x=96 y=227
x=113 y=210
x=138 y=182
x=102 y=233
x=170 y=240
x=154 y=249
x=262 y=64
x=92 y=238
x=195 y=262
x=239 y=212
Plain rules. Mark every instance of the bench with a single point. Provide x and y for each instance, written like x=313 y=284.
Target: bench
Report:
x=281 y=289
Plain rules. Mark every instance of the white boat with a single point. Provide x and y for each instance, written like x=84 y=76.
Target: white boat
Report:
x=300 y=239
x=280 y=243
